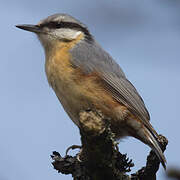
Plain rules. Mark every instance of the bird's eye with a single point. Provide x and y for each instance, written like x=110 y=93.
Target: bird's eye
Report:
x=58 y=25
x=52 y=25
x=55 y=25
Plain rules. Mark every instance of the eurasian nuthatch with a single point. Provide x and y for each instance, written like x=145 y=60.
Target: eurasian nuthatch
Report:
x=85 y=76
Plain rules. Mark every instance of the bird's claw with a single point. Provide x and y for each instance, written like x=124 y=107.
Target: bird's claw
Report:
x=72 y=147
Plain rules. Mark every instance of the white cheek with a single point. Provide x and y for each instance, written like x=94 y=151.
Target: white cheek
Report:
x=68 y=34
x=76 y=35
x=60 y=34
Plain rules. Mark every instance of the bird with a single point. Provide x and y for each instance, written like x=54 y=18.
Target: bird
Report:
x=84 y=76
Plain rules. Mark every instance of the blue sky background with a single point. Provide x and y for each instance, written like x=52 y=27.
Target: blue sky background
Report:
x=142 y=36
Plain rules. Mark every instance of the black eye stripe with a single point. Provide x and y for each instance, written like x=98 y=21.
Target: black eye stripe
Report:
x=70 y=25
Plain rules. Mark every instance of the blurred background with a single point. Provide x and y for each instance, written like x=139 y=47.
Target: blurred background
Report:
x=142 y=36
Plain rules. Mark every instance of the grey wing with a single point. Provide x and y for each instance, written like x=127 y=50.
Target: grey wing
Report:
x=90 y=58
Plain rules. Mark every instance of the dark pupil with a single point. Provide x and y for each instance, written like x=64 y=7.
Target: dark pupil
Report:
x=54 y=25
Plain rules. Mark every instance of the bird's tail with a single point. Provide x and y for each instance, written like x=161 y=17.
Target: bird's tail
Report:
x=153 y=143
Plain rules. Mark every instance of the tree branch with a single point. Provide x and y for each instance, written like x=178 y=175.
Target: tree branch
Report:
x=99 y=158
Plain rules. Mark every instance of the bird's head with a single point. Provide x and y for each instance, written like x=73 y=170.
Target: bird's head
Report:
x=58 y=27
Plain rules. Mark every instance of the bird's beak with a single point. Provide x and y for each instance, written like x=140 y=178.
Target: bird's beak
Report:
x=29 y=27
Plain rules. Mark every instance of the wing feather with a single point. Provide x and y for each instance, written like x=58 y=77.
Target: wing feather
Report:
x=92 y=58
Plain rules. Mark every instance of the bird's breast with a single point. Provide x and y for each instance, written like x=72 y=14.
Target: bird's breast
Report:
x=76 y=90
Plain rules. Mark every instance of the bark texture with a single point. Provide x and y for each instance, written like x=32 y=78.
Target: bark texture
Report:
x=99 y=157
